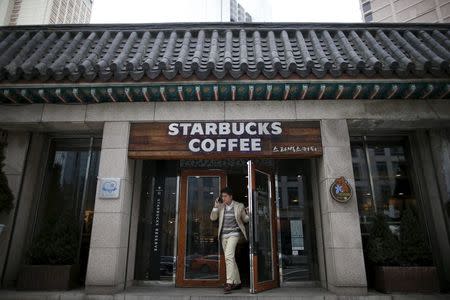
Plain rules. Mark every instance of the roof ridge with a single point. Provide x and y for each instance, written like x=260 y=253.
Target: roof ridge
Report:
x=228 y=25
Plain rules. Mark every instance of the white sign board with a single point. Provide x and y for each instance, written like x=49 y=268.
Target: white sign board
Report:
x=109 y=188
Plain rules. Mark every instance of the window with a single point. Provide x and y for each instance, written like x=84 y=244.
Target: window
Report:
x=381 y=169
x=69 y=189
x=155 y=255
x=368 y=17
x=383 y=179
x=366 y=7
x=297 y=244
x=363 y=189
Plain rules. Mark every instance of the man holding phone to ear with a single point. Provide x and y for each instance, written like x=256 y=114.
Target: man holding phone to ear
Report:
x=231 y=215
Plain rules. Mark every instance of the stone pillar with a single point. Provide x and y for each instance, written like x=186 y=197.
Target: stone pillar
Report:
x=27 y=161
x=15 y=156
x=137 y=186
x=431 y=149
x=344 y=260
x=109 y=241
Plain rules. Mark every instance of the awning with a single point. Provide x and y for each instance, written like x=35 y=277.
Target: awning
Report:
x=223 y=61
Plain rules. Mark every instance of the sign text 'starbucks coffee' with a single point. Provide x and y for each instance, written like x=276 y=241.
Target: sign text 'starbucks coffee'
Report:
x=182 y=140
x=225 y=136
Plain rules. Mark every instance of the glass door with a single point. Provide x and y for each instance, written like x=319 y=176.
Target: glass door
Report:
x=200 y=262
x=263 y=250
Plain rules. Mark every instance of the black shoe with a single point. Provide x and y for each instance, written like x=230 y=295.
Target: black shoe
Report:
x=236 y=286
x=227 y=288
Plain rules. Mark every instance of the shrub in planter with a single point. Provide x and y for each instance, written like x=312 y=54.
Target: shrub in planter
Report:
x=383 y=247
x=57 y=244
x=404 y=264
x=52 y=256
x=414 y=246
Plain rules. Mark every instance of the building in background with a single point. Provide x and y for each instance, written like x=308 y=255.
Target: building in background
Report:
x=408 y=11
x=218 y=10
x=33 y=12
x=245 y=11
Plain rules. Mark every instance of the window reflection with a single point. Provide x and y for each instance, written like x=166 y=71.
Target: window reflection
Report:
x=202 y=246
x=69 y=189
x=297 y=243
x=391 y=178
x=262 y=215
x=363 y=189
x=156 y=228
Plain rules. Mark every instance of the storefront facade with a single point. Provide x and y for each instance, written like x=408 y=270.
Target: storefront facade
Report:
x=137 y=128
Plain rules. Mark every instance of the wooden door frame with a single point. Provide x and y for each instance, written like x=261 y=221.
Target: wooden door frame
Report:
x=270 y=284
x=180 y=280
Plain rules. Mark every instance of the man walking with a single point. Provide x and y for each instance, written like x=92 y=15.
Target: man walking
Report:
x=231 y=215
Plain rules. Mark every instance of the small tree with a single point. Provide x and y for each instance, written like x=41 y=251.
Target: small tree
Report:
x=57 y=243
x=414 y=245
x=383 y=247
x=6 y=195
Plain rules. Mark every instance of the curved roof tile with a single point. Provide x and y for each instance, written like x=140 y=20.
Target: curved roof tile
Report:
x=147 y=51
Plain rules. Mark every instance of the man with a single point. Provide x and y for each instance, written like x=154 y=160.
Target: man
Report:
x=231 y=215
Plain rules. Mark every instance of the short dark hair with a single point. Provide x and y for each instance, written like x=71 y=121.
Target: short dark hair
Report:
x=226 y=190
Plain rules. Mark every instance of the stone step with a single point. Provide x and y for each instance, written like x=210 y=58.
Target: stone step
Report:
x=171 y=293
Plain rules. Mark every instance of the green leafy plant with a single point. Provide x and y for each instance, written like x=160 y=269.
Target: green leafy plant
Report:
x=410 y=249
x=415 y=249
x=6 y=195
x=383 y=247
x=57 y=243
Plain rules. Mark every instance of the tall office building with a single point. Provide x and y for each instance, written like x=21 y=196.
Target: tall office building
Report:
x=406 y=11
x=245 y=11
x=187 y=11
x=221 y=10
x=31 y=12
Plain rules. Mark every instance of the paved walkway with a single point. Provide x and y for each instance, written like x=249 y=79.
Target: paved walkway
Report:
x=171 y=293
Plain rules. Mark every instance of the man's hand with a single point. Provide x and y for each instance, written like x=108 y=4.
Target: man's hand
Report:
x=216 y=202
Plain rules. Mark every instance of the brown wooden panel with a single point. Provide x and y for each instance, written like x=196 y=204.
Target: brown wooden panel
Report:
x=153 y=141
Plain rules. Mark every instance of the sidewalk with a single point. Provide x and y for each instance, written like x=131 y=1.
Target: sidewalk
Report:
x=171 y=293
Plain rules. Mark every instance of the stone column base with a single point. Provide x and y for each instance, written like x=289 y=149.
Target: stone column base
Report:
x=103 y=289
x=348 y=290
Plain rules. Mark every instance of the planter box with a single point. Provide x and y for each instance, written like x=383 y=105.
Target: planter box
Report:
x=48 y=277
x=406 y=279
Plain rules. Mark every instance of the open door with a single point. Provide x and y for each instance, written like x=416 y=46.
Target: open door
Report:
x=262 y=230
x=200 y=262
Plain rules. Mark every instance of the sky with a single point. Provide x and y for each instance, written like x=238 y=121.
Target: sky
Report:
x=155 y=11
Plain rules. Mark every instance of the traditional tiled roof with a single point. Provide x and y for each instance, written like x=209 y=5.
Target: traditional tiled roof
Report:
x=75 y=53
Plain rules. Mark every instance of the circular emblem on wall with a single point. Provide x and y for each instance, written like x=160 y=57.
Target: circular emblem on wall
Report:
x=340 y=190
